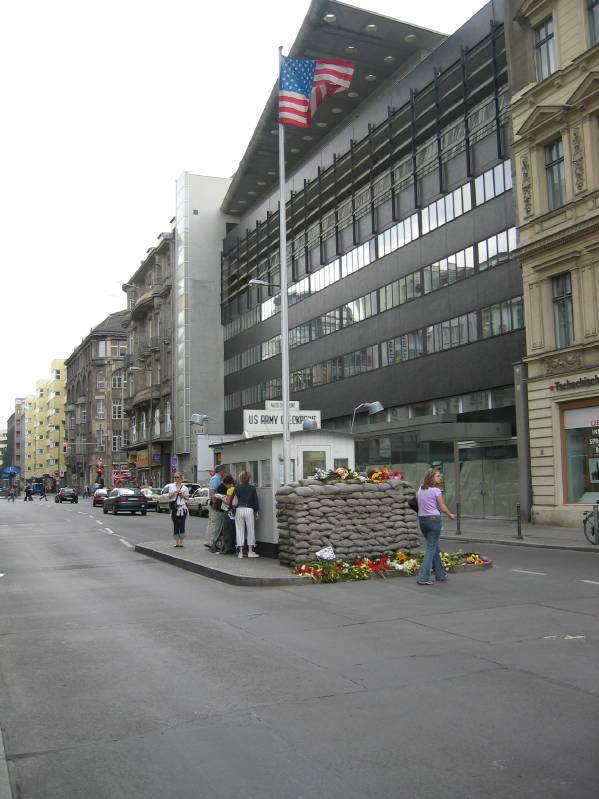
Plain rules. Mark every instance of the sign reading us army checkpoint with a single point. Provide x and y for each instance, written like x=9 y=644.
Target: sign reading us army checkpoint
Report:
x=270 y=420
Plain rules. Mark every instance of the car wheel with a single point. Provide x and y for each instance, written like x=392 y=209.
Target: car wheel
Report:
x=114 y=510
x=105 y=510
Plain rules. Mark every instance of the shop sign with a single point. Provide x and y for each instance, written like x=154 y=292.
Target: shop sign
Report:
x=269 y=421
x=568 y=385
x=143 y=459
x=156 y=455
x=277 y=405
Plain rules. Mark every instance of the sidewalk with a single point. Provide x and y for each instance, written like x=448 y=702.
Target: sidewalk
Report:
x=501 y=531
x=266 y=571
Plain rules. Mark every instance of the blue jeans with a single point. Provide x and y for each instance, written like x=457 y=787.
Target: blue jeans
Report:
x=431 y=527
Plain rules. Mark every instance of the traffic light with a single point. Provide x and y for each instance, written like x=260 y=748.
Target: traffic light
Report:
x=64 y=447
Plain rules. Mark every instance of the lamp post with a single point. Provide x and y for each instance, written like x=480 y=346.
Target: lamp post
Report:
x=284 y=353
x=371 y=407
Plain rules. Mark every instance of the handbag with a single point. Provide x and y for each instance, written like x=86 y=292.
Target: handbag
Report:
x=413 y=503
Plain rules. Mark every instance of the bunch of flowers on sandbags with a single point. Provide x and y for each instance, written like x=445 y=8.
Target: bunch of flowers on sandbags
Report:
x=341 y=474
x=333 y=571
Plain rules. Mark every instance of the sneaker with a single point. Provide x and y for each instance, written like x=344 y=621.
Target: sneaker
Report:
x=253 y=555
x=428 y=582
x=240 y=554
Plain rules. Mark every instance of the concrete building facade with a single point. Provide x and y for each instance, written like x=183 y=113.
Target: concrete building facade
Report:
x=403 y=284
x=553 y=49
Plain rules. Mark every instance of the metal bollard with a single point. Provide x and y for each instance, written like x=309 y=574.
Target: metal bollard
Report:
x=519 y=521
x=458 y=528
x=596 y=522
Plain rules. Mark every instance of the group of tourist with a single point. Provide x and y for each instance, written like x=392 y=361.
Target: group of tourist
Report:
x=231 y=503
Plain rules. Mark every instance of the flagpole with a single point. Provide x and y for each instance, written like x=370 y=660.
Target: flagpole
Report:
x=284 y=298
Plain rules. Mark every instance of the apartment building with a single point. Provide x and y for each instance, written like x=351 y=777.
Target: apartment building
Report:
x=553 y=52
x=97 y=429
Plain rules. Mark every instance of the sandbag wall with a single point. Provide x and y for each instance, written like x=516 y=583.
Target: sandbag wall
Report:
x=356 y=519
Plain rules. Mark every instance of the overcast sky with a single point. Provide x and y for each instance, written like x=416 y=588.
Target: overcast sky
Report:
x=103 y=106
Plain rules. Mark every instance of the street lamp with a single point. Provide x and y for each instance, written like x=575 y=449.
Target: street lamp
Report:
x=284 y=348
x=371 y=407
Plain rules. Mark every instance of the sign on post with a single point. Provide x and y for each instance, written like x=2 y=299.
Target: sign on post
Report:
x=271 y=421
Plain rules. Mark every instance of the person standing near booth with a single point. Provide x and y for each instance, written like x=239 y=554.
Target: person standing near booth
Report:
x=215 y=481
x=178 y=494
x=247 y=510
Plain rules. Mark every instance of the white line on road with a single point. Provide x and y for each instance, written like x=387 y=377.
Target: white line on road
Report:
x=90 y=516
x=590 y=582
x=1 y=575
x=126 y=543
x=108 y=530
x=523 y=571
x=99 y=522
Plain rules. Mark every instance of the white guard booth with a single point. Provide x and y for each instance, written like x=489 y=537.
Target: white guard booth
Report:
x=262 y=457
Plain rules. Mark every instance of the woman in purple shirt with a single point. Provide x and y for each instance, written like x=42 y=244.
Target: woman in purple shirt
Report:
x=430 y=508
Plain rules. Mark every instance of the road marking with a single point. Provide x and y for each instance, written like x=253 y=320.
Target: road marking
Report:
x=523 y=571
x=565 y=637
x=126 y=543
x=108 y=530
x=99 y=522
x=572 y=637
x=590 y=582
x=82 y=512
x=90 y=516
x=1 y=575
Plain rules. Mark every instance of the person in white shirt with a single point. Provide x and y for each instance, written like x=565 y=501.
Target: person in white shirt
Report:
x=178 y=494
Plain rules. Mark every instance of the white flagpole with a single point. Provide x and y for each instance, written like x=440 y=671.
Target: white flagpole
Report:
x=284 y=304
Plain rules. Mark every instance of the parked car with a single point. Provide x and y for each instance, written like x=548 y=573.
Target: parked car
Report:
x=125 y=499
x=151 y=494
x=67 y=495
x=199 y=502
x=163 y=499
x=99 y=496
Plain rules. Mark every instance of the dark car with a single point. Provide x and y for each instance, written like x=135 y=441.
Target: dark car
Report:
x=66 y=495
x=125 y=499
x=98 y=497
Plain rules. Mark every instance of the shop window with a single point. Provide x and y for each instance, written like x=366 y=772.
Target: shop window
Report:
x=580 y=433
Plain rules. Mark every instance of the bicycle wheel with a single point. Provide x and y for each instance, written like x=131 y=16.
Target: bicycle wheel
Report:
x=589 y=530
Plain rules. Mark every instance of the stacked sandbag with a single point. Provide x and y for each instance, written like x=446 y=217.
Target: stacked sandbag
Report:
x=357 y=519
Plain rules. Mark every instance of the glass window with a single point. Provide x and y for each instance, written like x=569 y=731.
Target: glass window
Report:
x=498 y=177
x=341 y=463
x=312 y=460
x=457 y=202
x=100 y=380
x=100 y=412
x=561 y=289
x=544 y=52
x=483 y=258
x=253 y=470
x=101 y=349
x=237 y=469
x=580 y=430
x=554 y=171
x=593 y=6
x=507 y=174
x=117 y=409
x=489 y=185
x=466 y=198
x=479 y=189
x=265 y=473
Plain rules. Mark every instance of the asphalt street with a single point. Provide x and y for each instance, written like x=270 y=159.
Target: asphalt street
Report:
x=122 y=676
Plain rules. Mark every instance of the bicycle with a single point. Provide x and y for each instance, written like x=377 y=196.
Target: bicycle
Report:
x=588 y=524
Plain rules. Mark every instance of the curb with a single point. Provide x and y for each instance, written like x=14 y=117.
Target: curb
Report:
x=223 y=577
x=5 y=789
x=506 y=542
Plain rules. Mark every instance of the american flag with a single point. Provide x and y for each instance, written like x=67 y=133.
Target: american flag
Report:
x=304 y=83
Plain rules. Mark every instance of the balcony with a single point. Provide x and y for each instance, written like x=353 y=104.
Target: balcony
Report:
x=155 y=342
x=143 y=349
x=81 y=400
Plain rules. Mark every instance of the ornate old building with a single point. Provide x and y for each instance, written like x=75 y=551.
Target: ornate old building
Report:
x=553 y=58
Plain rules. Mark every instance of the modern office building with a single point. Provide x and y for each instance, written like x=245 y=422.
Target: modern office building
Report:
x=403 y=286
x=553 y=54
x=97 y=429
x=149 y=403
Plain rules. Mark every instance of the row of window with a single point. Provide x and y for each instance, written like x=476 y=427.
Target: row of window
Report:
x=117 y=409
x=458 y=266
x=544 y=40
x=490 y=184
x=494 y=320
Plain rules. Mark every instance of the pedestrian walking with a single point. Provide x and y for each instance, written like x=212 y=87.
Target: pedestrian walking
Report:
x=430 y=507
x=28 y=494
x=215 y=481
x=178 y=494
x=247 y=511
x=43 y=493
x=12 y=494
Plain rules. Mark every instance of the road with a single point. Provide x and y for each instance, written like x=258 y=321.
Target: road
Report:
x=122 y=676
